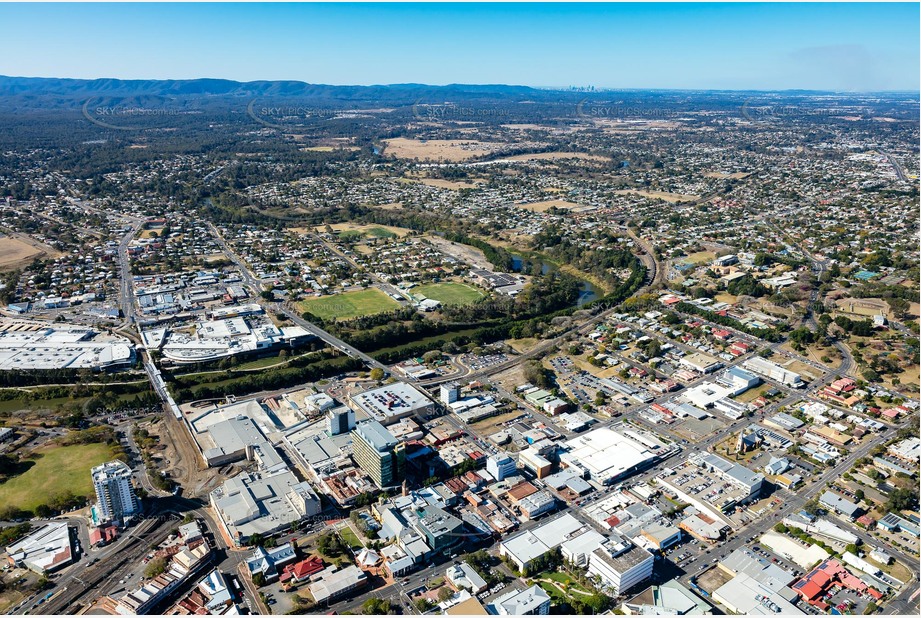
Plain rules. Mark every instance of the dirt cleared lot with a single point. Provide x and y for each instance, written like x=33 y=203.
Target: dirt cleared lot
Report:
x=377 y=231
x=736 y=175
x=18 y=250
x=465 y=253
x=439 y=149
x=661 y=195
x=448 y=184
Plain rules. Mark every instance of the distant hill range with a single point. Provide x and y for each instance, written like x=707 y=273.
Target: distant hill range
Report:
x=60 y=88
x=24 y=93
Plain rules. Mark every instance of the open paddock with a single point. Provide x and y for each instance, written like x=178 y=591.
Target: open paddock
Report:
x=439 y=149
x=660 y=195
x=349 y=305
x=17 y=251
x=559 y=204
x=558 y=156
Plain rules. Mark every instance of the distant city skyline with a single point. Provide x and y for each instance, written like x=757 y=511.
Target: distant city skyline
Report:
x=824 y=46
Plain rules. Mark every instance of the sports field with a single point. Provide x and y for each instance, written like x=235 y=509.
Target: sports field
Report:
x=55 y=471
x=349 y=304
x=449 y=293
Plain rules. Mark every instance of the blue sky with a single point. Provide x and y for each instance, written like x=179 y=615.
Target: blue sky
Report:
x=849 y=47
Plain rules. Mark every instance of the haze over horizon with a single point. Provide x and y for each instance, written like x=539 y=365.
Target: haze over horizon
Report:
x=836 y=47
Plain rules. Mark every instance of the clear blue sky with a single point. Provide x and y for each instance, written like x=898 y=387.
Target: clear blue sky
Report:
x=733 y=46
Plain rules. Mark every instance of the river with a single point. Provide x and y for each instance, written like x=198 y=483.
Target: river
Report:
x=587 y=290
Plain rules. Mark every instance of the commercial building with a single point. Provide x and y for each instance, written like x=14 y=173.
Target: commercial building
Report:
x=500 y=467
x=700 y=362
x=221 y=338
x=537 y=504
x=747 y=596
x=703 y=527
x=389 y=403
x=532 y=459
x=227 y=441
x=45 y=550
x=464 y=576
x=533 y=601
x=340 y=420
x=839 y=505
x=757 y=585
x=670 y=598
x=608 y=456
x=27 y=345
x=830 y=574
x=267 y=562
x=262 y=503
x=908 y=450
x=896 y=523
x=332 y=583
x=768 y=369
x=820 y=528
x=620 y=564
x=449 y=393
x=115 y=496
x=526 y=547
x=794 y=551
x=378 y=453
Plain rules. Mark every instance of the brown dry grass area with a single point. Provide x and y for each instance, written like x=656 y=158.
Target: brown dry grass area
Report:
x=510 y=379
x=736 y=175
x=357 y=227
x=558 y=156
x=524 y=127
x=494 y=423
x=18 y=250
x=438 y=149
x=522 y=345
x=662 y=195
x=450 y=184
x=548 y=204
x=329 y=148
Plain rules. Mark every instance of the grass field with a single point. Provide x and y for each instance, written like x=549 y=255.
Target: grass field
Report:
x=449 y=293
x=55 y=471
x=349 y=538
x=349 y=304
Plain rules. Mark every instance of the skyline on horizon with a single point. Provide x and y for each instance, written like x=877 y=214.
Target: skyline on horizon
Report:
x=830 y=47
